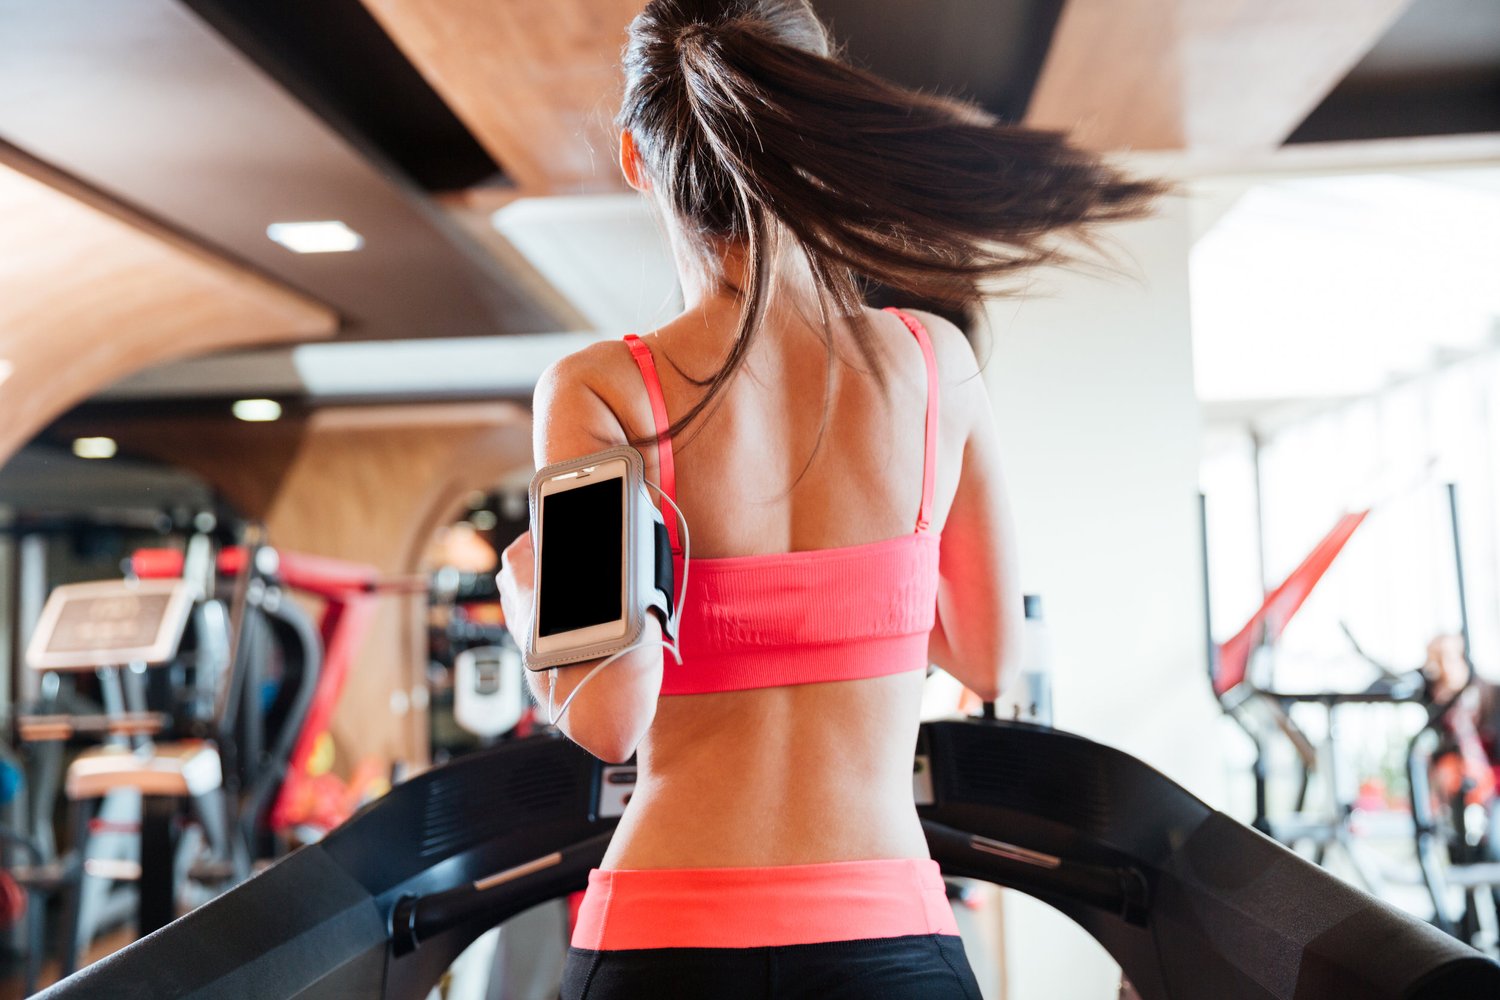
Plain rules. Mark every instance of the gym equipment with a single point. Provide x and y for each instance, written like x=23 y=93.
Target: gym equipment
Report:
x=1189 y=902
x=475 y=672
x=1448 y=847
x=231 y=722
x=119 y=629
x=31 y=879
x=489 y=690
x=1449 y=842
x=280 y=790
x=1260 y=711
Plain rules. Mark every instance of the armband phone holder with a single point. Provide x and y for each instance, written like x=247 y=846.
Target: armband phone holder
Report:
x=645 y=557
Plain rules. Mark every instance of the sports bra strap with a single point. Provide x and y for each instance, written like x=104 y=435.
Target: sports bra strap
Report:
x=929 y=456
x=647 y=365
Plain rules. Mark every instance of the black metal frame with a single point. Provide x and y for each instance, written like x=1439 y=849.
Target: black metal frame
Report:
x=1190 y=903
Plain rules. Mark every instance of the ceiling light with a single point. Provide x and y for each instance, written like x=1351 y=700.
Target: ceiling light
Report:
x=100 y=447
x=7 y=369
x=257 y=411
x=331 y=236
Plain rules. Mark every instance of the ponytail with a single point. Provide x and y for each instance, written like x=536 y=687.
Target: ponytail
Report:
x=755 y=135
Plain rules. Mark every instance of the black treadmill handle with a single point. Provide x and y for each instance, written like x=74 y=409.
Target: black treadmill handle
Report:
x=416 y=919
x=1121 y=891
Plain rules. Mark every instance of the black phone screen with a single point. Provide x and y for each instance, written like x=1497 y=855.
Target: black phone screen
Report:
x=582 y=539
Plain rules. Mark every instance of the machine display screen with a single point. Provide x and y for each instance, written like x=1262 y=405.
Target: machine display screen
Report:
x=582 y=575
x=109 y=621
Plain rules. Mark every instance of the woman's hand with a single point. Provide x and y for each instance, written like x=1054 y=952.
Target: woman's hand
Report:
x=517 y=588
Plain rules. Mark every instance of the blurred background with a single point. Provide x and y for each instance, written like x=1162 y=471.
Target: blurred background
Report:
x=277 y=279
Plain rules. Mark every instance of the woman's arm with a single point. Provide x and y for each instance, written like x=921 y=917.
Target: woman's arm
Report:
x=611 y=715
x=978 y=633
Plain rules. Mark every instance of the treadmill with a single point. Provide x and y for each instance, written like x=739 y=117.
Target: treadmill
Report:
x=1192 y=904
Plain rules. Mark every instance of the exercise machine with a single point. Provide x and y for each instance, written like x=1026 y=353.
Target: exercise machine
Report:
x=1456 y=840
x=121 y=630
x=1262 y=710
x=198 y=724
x=1190 y=903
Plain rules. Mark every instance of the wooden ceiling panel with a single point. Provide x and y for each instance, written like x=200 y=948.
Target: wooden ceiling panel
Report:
x=91 y=292
x=1201 y=75
x=537 y=81
x=144 y=100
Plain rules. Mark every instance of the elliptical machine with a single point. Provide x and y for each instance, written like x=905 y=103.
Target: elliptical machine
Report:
x=184 y=745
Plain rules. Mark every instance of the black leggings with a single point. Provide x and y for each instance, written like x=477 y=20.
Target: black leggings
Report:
x=920 y=967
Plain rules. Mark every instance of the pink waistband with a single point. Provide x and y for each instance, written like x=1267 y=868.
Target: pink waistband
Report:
x=762 y=907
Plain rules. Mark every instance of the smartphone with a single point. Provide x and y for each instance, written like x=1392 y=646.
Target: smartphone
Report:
x=582 y=588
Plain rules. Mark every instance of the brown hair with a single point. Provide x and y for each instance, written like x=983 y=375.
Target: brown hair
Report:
x=754 y=133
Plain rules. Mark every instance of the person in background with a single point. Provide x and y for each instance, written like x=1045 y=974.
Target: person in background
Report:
x=1466 y=764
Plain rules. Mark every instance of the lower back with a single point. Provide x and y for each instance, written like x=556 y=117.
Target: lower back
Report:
x=777 y=776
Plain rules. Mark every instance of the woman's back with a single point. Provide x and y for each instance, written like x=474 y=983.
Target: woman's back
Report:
x=794 y=772
x=740 y=474
x=797 y=772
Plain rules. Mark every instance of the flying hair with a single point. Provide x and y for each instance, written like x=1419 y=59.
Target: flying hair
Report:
x=758 y=137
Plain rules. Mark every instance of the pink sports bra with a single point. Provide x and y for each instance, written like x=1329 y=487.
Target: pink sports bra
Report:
x=803 y=617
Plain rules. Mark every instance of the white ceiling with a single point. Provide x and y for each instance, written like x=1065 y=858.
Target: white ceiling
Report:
x=607 y=254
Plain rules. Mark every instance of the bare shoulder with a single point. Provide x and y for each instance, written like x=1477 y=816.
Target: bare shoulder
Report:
x=964 y=396
x=594 y=368
x=955 y=355
x=577 y=406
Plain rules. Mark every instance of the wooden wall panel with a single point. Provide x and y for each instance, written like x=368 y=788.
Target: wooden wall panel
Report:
x=91 y=292
x=372 y=484
x=245 y=462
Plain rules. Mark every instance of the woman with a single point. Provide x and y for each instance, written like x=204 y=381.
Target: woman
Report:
x=839 y=471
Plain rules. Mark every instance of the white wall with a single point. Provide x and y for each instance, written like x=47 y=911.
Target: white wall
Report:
x=1092 y=383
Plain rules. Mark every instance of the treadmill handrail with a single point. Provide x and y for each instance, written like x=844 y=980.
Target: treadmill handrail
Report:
x=419 y=918
x=1121 y=891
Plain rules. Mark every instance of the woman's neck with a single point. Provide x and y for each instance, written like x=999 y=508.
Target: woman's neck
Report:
x=724 y=276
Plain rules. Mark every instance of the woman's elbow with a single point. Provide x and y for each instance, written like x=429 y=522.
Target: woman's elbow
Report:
x=985 y=691
x=996 y=670
x=609 y=749
x=611 y=722
x=608 y=736
x=1008 y=662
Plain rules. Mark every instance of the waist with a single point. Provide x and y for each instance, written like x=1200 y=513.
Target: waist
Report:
x=762 y=907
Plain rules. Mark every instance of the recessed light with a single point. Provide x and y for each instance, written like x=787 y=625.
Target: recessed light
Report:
x=257 y=411
x=331 y=236
x=97 y=447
